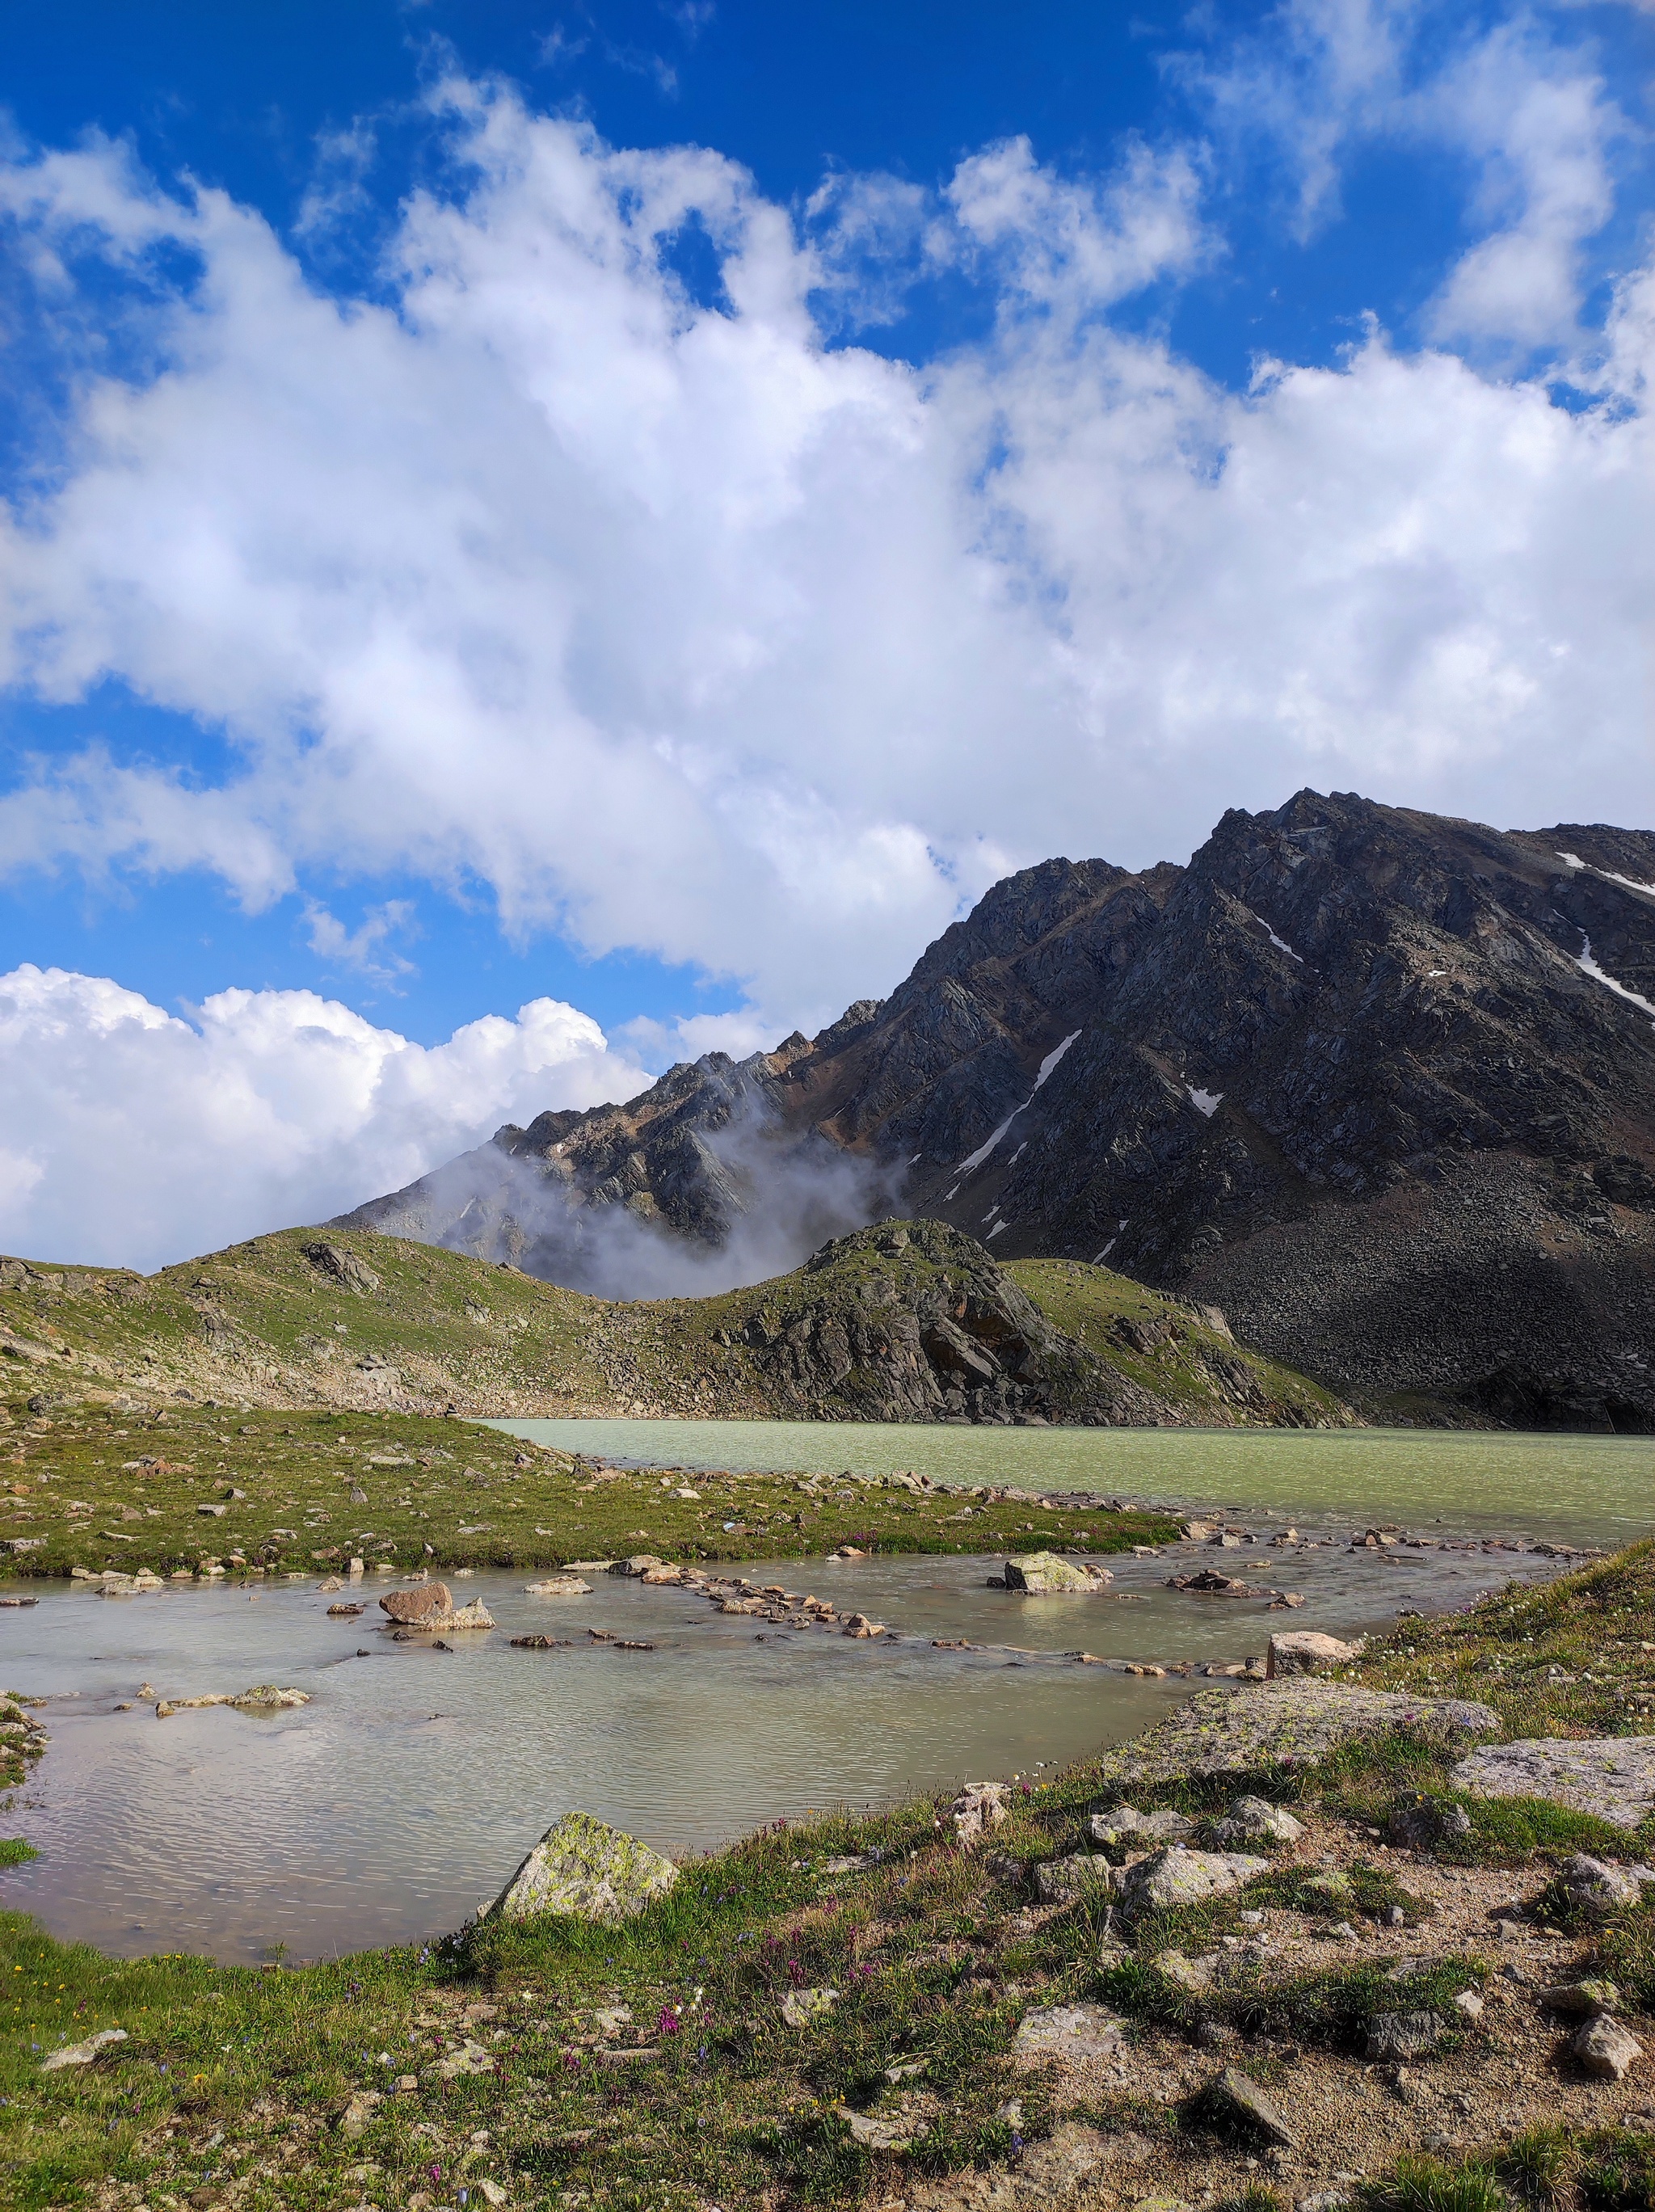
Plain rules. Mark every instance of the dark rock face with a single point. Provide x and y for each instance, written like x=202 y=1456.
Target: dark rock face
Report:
x=913 y=1321
x=1359 y=1077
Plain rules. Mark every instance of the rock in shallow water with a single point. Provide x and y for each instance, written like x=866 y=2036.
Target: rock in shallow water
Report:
x=1042 y=1574
x=584 y=1868
x=429 y=1605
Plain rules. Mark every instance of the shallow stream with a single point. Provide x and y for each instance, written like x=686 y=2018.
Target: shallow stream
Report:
x=403 y=1794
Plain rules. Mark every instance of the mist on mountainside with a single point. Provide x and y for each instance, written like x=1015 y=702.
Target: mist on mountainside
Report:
x=780 y=1197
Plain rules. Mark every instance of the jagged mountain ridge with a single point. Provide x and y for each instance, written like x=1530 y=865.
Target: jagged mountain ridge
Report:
x=1358 y=1075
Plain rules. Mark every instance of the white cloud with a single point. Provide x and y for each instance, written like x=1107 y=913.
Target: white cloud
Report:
x=135 y=1138
x=685 y=632
x=366 y=948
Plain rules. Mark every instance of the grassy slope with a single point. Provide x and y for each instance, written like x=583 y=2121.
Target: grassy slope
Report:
x=76 y=1491
x=232 y=2073
x=258 y=1323
x=1194 y=1366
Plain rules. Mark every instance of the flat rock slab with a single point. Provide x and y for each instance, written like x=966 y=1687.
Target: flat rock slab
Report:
x=1613 y=1777
x=1295 y=1721
x=1067 y=2032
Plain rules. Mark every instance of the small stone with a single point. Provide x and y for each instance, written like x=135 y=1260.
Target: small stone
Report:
x=1177 y=1876
x=1605 y=2049
x=1192 y=1976
x=858 y=1625
x=1167 y=1827
x=1255 y=1819
x=1580 y=2000
x=359 y=2112
x=1468 y=2003
x=559 y=1586
x=800 y=2007
x=1403 y=2034
x=1509 y=1930
x=470 y=2058
x=1425 y=1822
x=874 y=2133
x=474 y=1615
x=1240 y=2099
x=1594 y=1886
x=1060 y=1881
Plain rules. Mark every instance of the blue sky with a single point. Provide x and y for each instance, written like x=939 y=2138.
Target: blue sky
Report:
x=652 y=508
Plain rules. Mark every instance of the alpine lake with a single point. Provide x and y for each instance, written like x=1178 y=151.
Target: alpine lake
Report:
x=401 y=1795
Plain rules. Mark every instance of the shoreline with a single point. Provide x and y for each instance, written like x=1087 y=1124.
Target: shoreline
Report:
x=940 y=1943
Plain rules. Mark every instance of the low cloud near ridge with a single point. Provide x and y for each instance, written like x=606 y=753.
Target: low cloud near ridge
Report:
x=130 y=1138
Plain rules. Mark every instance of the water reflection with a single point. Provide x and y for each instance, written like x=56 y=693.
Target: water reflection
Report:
x=403 y=1796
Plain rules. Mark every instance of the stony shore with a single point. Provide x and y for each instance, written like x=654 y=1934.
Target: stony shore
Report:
x=1383 y=1935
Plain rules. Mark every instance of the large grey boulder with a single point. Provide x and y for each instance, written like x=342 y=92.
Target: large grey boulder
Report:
x=1177 y=1876
x=1297 y=1722
x=1613 y=1777
x=1043 y=1574
x=587 y=1868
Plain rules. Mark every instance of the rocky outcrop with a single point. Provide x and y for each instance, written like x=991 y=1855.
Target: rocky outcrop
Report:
x=1296 y=1722
x=1612 y=1776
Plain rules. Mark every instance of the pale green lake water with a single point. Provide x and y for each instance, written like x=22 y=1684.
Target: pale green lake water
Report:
x=1582 y=1490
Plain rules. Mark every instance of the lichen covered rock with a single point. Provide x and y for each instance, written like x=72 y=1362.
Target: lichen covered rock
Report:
x=584 y=1867
x=1043 y=1574
x=1293 y=1722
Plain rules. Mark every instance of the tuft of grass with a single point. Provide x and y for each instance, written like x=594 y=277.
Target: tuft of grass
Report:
x=1434 y=2184
x=1617 y=2173
x=1374 y=1891
x=13 y=1852
x=1537 y=2166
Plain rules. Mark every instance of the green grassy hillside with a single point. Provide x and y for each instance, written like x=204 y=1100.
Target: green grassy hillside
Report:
x=362 y=1322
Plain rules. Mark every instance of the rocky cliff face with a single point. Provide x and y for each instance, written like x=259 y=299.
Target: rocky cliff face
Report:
x=1379 y=1084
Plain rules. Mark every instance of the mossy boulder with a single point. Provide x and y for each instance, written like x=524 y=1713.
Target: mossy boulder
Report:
x=584 y=1868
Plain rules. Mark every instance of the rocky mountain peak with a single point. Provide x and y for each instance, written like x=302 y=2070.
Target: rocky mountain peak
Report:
x=1378 y=1084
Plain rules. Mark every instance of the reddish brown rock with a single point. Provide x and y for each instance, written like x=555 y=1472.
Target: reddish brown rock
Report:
x=430 y=1606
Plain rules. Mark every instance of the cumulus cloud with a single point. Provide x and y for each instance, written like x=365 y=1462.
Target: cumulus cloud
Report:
x=681 y=628
x=134 y=1138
